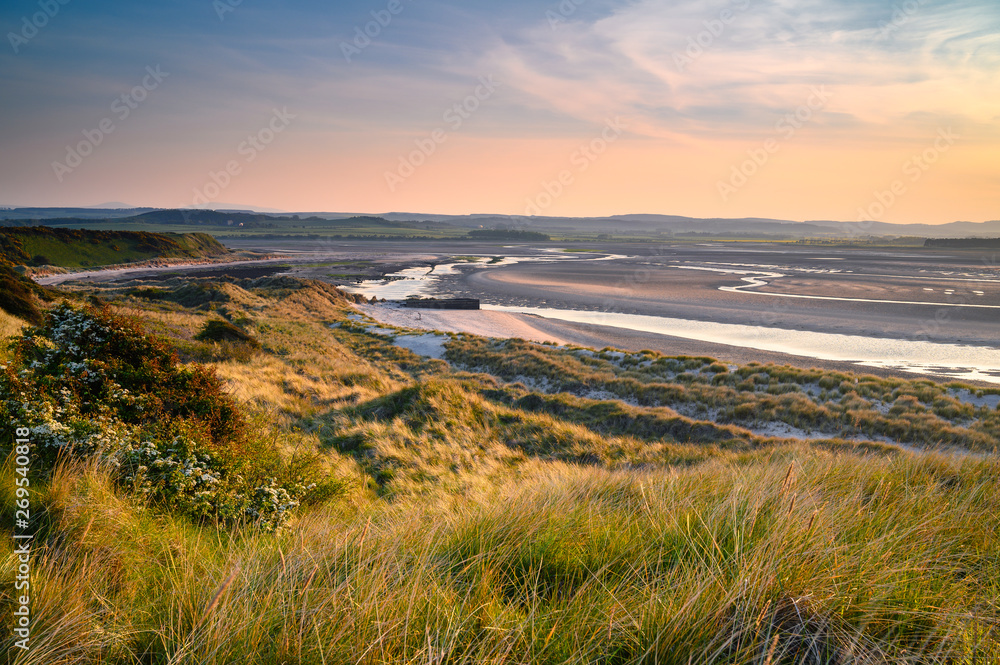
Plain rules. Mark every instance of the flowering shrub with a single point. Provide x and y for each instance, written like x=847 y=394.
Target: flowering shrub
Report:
x=91 y=383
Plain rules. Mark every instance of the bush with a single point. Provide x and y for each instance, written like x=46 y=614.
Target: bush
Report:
x=149 y=293
x=218 y=330
x=199 y=293
x=90 y=383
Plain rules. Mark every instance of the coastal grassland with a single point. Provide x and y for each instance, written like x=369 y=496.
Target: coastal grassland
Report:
x=73 y=248
x=522 y=503
x=801 y=554
x=916 y=412
x=9 y=326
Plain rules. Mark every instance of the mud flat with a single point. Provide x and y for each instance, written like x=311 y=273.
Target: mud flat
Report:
x=901 y=302
x=504 y=325
x=833 y=303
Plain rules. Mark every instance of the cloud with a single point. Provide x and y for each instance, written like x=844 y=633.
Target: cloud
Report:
x=698 y=69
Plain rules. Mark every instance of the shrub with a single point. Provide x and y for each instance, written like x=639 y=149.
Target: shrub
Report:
x=149 y=293
x=196 y=294
x=217 y=330
x=90 y=383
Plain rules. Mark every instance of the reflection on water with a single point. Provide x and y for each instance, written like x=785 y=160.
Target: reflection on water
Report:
x=953 y=360
x=398 y=285
x=423 y=280
x=758 y=279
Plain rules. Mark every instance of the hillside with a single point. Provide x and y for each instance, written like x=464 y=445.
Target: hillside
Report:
x=309 y=490
x=75 y=248
x=429 y=226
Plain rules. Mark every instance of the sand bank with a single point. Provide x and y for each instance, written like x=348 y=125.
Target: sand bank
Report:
x=476 y=322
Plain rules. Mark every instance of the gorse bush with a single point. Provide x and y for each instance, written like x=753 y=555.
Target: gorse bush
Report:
x=107 y=366
x=89 y=382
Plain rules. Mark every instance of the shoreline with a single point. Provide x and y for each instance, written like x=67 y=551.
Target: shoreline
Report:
x=506 y=325
x=146 y=268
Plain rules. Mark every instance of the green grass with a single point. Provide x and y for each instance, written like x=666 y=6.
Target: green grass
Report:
x=75 y=248
x=473 y=518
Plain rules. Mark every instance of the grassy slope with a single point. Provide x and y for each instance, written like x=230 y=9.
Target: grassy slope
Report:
x=74 y=248
x=475 y=525
x=9 y=326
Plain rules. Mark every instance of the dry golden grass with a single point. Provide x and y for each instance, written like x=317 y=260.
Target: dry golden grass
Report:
x=9 y=327
x=804 y=554
x=470 y=526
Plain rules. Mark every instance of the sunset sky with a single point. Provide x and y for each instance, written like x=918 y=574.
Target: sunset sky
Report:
x=792 y=110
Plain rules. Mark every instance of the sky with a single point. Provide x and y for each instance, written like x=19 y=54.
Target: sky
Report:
x=806 y=110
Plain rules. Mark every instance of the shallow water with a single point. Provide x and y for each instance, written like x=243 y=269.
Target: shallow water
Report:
x=952 y=360
x=949 y=360
x=423 y=281
x=758 y=278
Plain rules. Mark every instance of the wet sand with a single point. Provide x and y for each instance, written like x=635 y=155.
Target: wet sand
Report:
x=929 y=293
x=507 y=325
x=477 y=322
x=669 y=289
x=688 y=281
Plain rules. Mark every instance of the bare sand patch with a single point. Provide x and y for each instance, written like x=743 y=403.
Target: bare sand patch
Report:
x=476 y=322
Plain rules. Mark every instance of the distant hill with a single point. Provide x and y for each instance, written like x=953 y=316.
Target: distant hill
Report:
x=112 y=205
x=77 y=248
x=239 y=207
x=227 y=218
x=662 y=226
x=735 y=227
x=38 y=214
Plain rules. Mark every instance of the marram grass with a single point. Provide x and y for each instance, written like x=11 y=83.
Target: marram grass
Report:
x=802 y=554
x=468 y=522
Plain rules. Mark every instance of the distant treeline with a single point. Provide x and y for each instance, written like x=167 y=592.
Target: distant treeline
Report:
x=964 y=243
x=506 y=234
